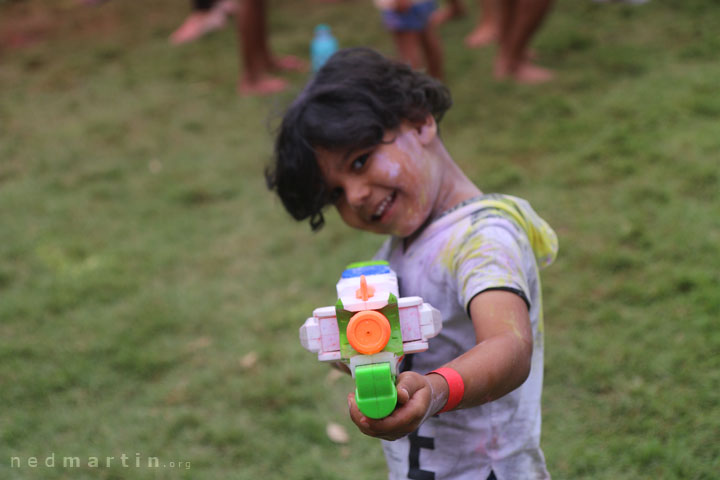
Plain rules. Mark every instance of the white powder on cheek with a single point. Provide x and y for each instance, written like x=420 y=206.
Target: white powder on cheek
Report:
x=388 y=166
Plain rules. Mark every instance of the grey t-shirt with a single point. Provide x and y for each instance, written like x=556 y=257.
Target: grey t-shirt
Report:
x=491 y=242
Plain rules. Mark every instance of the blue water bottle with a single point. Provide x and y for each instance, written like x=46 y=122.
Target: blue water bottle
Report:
x=322 y=47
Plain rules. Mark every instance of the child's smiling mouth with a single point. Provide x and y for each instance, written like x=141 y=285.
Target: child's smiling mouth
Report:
x=384 y=206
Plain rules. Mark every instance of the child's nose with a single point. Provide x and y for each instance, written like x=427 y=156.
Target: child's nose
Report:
x=357 y=192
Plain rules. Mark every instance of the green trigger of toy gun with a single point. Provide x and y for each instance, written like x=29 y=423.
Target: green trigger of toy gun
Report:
x=370 y=329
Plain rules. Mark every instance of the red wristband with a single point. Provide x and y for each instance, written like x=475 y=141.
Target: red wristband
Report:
x=456 y=387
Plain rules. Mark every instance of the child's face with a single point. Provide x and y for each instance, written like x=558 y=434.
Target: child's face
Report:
x=391 y=188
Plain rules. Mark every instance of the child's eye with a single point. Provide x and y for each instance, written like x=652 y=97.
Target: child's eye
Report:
x=360 y=161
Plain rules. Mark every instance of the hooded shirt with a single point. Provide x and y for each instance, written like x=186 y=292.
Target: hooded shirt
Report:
x=491 y=242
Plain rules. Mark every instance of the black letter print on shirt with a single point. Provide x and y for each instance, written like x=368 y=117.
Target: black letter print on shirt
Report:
x=416 y=443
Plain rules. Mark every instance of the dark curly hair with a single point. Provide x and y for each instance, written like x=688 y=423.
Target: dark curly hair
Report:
x=349 y=105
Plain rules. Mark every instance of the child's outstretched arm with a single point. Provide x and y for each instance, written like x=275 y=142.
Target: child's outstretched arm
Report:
x=498 y=364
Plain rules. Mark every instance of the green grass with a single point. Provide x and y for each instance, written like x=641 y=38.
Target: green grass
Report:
x=142 y=258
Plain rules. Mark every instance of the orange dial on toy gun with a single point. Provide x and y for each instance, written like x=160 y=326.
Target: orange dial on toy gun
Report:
x=370 y=329
x=368 y=332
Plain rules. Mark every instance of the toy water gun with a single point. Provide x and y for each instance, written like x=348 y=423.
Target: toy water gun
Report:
x=370 y=329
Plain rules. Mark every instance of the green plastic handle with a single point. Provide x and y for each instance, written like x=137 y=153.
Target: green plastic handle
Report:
x=375 y=391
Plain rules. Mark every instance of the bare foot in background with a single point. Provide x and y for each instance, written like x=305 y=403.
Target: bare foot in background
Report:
x=519 y=21
x=531 y=74
x=257 y=62
x=525 y=73
x=200 y=23
x=454 y=10
x=487 y=28
x=266 y=85
x=483 y=35
x=287 y=63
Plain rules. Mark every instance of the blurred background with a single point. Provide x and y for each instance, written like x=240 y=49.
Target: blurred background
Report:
x=151 y=288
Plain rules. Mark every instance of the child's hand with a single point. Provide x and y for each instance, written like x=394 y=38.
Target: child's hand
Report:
x=417 y=400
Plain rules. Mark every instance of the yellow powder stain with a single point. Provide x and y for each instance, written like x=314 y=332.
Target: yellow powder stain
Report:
x=475 y=249
x=447 y=254
x=512 y=321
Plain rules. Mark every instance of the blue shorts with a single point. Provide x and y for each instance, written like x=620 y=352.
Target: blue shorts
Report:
x=413 y=20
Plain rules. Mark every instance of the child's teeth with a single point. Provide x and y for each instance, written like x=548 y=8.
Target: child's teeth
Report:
x=382 y=206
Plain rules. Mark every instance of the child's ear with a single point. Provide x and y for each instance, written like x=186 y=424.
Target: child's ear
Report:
x=427 y=130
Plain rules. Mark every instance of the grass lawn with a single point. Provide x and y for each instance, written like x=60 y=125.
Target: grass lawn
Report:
x=151 y=288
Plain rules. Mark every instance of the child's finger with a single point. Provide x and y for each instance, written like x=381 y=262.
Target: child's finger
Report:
x=402 y=395
x=401 y=422
x=356 y=415
x=408 y=384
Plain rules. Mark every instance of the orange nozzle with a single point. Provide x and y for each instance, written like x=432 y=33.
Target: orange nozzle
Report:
x=368 y=332
x=365 y=291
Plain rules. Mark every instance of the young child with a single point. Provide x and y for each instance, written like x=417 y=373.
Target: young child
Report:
x=413 y=32
x=363 y=136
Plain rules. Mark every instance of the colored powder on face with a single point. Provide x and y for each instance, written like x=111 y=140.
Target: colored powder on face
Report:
x=418 y=180
x=392 y=169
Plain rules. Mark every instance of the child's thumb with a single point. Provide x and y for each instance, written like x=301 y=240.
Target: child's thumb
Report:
x=407 y=386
